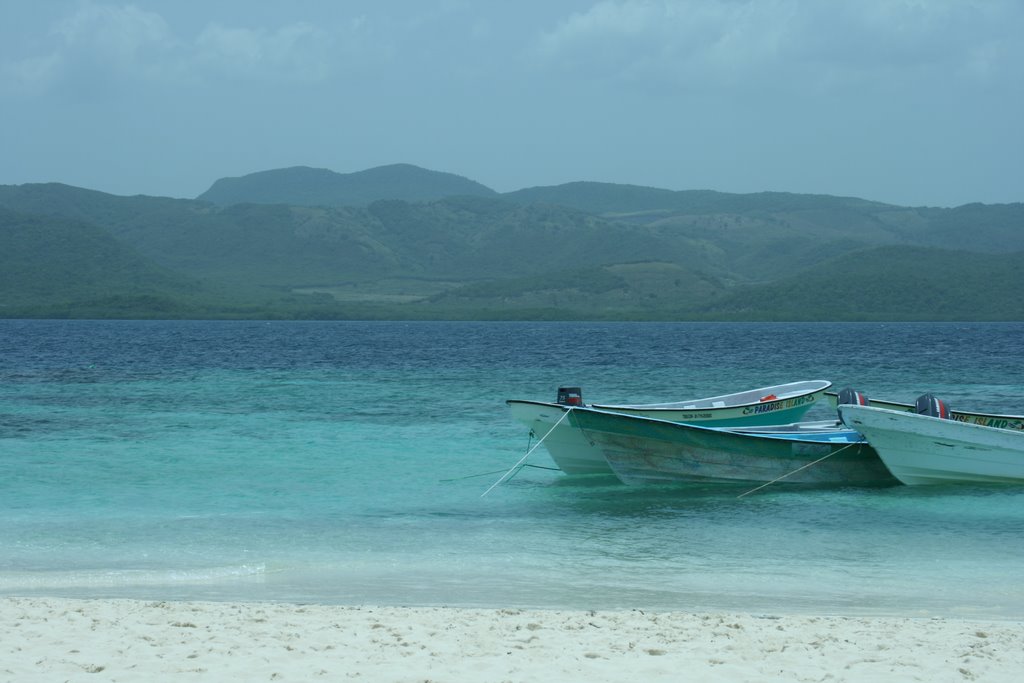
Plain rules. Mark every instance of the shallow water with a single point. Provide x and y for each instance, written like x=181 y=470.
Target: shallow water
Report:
x=346 y=462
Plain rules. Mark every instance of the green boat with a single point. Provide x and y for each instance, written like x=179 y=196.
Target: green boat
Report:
x=642 y=450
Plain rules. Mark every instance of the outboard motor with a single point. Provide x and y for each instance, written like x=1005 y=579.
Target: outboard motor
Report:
x=569 y=396
x=928 y=404
x=850 y=396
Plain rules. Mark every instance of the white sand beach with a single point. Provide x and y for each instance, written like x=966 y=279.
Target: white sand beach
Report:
x=55 y=639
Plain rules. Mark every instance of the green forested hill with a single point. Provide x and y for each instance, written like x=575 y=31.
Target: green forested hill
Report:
x=304 y=186
x=57 y=265
x=887 y=283
x=627 y=199
x=883 y=283
x=582 y=250
x=462 y=238
x=776 y=217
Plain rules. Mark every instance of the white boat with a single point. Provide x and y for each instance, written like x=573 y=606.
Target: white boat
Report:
x=922 y=449
x=986 y=419
x=574 y=454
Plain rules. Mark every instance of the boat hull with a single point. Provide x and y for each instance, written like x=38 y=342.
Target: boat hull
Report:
x=575 y=454
x=924 y=450
x=648 y=451
x=571 y=452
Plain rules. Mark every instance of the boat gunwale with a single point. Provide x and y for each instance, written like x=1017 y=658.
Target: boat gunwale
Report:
x=695 y=405
x=900 y=407
x=706 y=403
x=911 y=415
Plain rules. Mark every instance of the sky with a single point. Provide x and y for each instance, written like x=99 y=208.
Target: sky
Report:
x=911 y=102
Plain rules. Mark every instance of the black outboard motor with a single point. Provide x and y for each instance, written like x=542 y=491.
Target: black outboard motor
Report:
x=850 y=396
x=569 y=396
x=928 y=404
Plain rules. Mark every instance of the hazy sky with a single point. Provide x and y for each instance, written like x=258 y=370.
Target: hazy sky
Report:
x=914 y=102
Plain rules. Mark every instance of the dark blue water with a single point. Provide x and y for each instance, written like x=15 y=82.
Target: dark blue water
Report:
x=345 y=462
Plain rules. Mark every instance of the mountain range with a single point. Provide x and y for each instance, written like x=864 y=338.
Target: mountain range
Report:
x=402 y=242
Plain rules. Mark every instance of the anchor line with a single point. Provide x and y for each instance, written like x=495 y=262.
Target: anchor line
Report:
x=523 y=459
x=803 y=467
x=487 y=474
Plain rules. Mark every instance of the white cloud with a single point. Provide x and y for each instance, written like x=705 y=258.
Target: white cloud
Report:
x=666 y=41
x=31 y=75
x=119 y=33
x=107 y=43
x=295 y=52
x=715 y=41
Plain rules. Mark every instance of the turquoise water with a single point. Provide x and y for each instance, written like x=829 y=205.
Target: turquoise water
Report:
x=346 y=462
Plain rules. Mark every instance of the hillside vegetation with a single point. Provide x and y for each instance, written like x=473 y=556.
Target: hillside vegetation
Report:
x=51 y=265
x=405 y=243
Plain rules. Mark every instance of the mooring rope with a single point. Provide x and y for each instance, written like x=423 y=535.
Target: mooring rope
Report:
x=804 y=467
x=523 y=459
x=487 y=474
